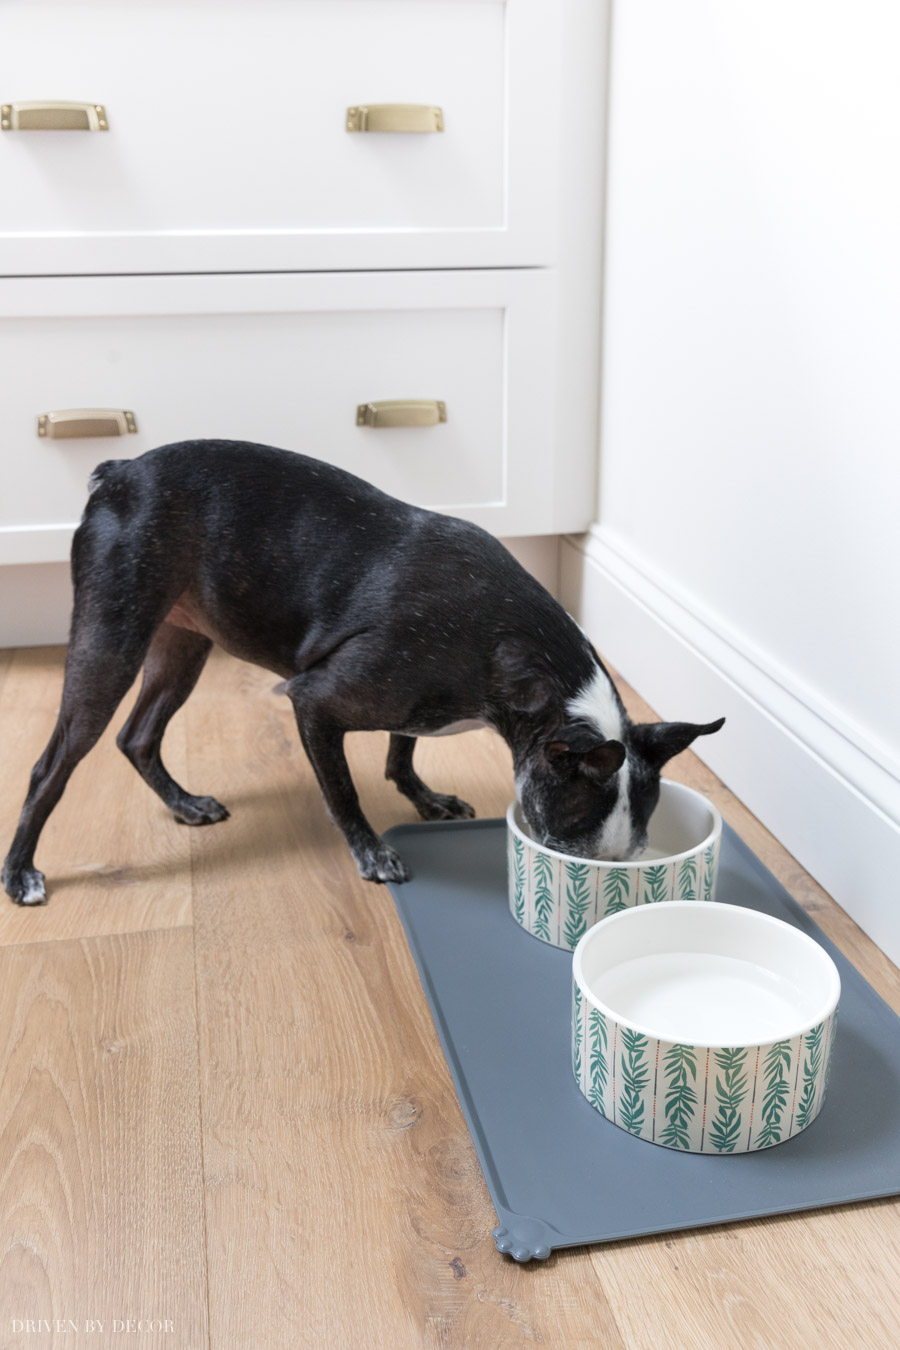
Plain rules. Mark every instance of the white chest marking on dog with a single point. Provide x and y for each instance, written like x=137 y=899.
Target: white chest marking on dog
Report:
x=597 y=703
x=617 y=834
x=454 y=728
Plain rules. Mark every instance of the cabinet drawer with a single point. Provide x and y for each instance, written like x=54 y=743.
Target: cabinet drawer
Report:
x=286 y=361
x=226 y=144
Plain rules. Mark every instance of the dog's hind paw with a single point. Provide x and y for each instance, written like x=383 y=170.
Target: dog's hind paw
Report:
x=199 y=811
x=25 y=886
x=381 y=863
x=442 y=806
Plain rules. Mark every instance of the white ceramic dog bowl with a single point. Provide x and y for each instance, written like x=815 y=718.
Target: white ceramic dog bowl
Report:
x=557 y=897
x=707 y=1028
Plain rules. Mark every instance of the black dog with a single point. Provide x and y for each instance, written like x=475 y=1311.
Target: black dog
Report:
x=379 y=615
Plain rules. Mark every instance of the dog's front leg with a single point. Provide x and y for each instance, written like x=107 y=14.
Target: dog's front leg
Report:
x=430 y=805
x=323 y=741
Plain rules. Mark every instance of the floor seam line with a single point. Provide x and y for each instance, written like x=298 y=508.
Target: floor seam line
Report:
x=97 y=937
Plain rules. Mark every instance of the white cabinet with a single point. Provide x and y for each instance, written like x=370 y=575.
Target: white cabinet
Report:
x=228 y=255
x=285 y=361
x=227 y=146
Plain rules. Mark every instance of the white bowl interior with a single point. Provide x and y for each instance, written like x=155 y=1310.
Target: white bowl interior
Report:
x=681 y=822
x=708 y=974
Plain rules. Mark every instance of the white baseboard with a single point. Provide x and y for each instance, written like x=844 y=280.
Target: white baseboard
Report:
x=830 y=800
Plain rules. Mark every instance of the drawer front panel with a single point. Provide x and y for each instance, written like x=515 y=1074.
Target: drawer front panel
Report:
x=270 y=360
x=226 y=145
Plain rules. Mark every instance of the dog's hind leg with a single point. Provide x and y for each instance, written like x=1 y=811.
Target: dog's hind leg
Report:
x=171 y=669
x=123 y=589
x=430 y=805
x=100 y=668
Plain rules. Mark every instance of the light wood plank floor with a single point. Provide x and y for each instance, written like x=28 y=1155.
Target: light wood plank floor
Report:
x=224 y=1105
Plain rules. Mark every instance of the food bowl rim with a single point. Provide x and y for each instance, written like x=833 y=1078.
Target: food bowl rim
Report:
x=706 y=906
x=714 y=834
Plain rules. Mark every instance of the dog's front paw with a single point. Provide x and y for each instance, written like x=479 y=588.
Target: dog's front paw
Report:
x=25 y=886
x=199 y=811
x=380 y=863
x=443 y=806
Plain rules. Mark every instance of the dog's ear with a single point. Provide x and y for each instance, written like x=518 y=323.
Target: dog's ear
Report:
x=524 y=686
x=604 y=761
x=575 y=738
x=658 y=742
x=580 y=749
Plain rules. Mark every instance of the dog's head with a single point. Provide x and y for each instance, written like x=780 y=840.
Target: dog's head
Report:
x=587 y=777
x=593 y=798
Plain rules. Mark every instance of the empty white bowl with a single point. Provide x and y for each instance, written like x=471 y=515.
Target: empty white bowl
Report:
x=707 y=1028
x=557 y=897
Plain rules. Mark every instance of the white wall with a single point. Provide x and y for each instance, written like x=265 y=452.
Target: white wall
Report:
x=748 y=538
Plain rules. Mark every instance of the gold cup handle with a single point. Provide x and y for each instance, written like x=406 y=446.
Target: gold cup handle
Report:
x=47 y=115
x=401 y=412
x=395 y=117
x=68 y=423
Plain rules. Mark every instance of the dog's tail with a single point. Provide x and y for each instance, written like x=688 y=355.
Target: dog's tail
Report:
x=102 y=472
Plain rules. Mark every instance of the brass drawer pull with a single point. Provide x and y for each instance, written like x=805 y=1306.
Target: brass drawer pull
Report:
x=395 y=117
x=71 y=422
x=46 y=115
x=401 y=412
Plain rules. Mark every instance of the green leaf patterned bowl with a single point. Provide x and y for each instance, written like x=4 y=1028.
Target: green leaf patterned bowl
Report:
x=557 y=897
x=706 y=1028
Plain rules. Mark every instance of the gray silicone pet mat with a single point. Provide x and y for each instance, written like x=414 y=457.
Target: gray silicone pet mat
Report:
x=558 y=1173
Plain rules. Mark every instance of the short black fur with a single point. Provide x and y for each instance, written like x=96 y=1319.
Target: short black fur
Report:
x=379 y=615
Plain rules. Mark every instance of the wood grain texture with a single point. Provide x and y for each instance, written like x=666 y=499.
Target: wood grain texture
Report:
x=101 y=1213
x=340 y=1167
x=114 y=859
x=344 y=1204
